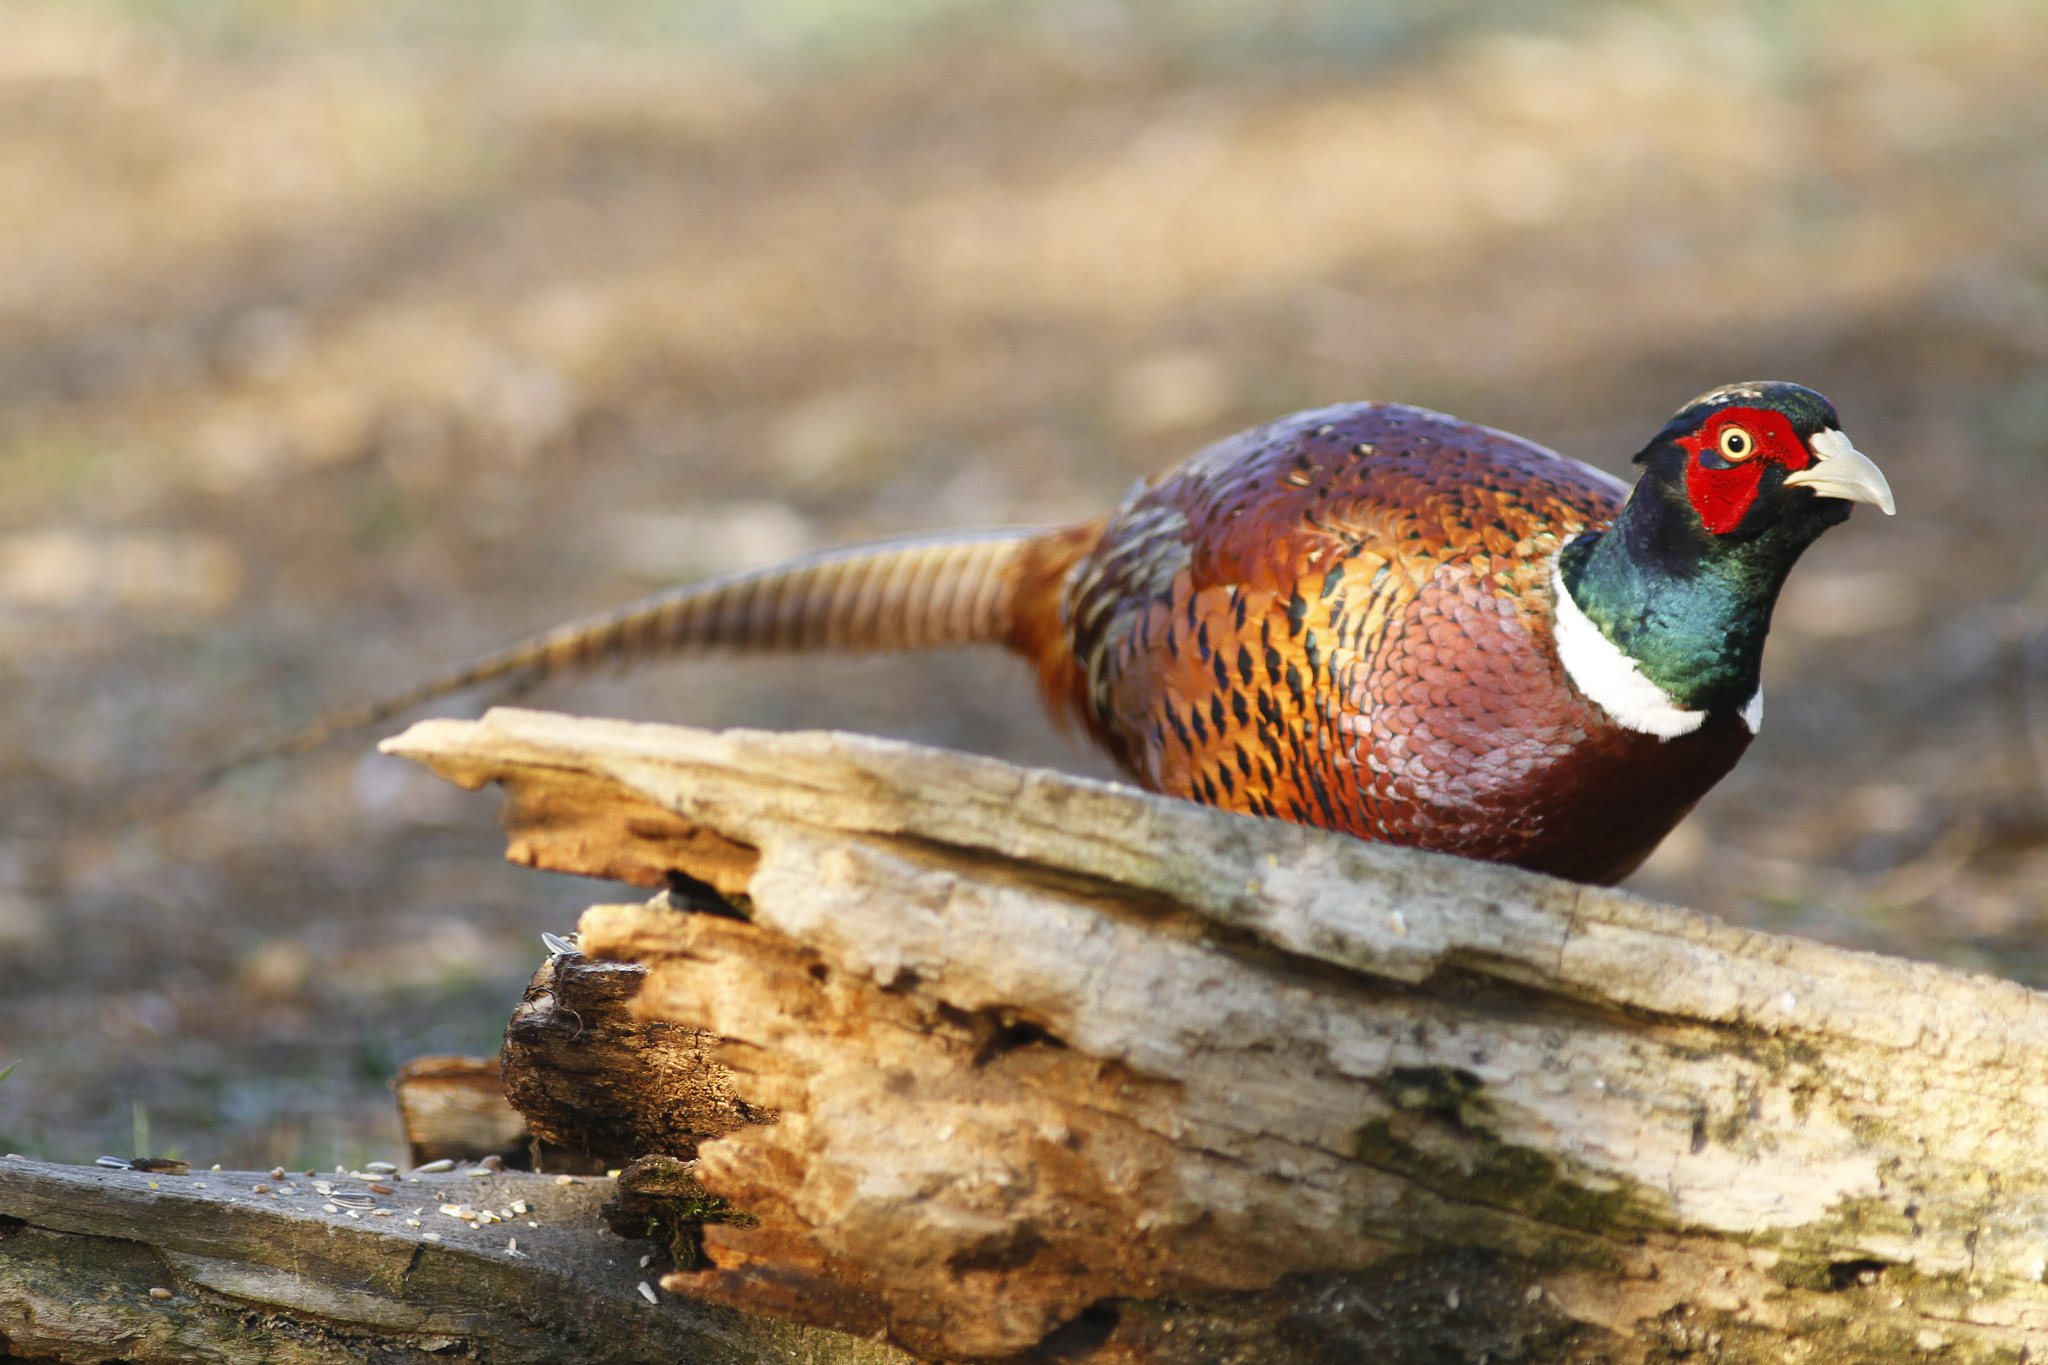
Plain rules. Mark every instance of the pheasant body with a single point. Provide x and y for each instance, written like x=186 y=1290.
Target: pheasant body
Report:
x=1342 y=619
x=1370 y=618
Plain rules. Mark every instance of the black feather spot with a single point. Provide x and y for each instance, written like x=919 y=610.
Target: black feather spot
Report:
x=1315 y=782
x=1244 y=665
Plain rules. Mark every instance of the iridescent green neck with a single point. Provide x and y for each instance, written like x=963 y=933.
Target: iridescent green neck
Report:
x=1691 y=609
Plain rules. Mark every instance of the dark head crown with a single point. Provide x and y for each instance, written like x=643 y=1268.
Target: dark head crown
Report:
x=1806 y=410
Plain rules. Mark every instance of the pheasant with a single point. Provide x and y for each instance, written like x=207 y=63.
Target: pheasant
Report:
x=1370 y=618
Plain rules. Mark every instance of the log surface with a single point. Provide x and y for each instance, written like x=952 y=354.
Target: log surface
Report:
x=1067 y=1071
x=290 y=1278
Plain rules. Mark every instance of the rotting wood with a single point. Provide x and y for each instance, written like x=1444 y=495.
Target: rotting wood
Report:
x=596 y=1081
x=289 y=1277
x=1067 y=1071
x=453 y=1108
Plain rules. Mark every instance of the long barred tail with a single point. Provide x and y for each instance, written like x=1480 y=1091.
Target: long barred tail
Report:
x=903 y=594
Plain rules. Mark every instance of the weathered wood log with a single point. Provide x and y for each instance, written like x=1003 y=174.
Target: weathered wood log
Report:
x=230 y=1267
x=453 y=1108
x=1061 y=1070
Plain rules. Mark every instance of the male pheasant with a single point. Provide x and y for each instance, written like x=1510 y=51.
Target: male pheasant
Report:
x=1369 y=618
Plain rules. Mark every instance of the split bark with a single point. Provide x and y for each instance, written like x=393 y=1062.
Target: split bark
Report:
x=1060 y=1070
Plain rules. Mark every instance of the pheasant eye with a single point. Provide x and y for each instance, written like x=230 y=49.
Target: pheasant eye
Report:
x=1736 y=444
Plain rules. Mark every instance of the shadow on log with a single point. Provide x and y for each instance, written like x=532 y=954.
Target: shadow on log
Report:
x=1062 y=1071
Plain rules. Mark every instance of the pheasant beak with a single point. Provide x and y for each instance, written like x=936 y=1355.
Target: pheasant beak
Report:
x=1840 y=470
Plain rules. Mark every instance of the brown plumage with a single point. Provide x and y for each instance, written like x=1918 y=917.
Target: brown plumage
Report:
x=1341 y=619
x=1347 y=618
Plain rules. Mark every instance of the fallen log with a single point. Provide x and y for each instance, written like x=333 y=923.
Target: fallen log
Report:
x=229 y=1267
x=1016 y=1066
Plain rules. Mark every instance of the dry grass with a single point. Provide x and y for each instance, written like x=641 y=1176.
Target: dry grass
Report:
x=329 y=356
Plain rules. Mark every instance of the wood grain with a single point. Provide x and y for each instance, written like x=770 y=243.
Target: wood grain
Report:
x=1061 y=1065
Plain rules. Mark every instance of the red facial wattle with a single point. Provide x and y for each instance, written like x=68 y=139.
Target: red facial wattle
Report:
x=1722 y=490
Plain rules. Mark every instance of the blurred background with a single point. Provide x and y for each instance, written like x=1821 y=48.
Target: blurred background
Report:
x=341 y=339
